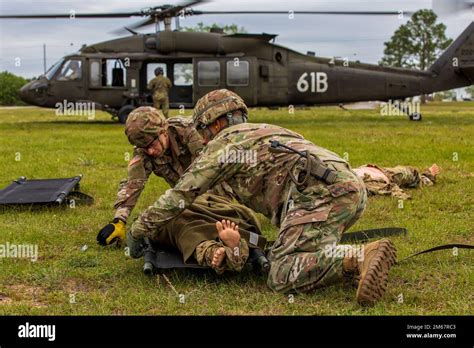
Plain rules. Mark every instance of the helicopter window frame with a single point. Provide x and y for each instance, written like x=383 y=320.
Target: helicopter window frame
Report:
x=110 y=64
x=54 y=69
x=64 y=75
x=204 y=81
x=105 y=78
x=230 y=70
x=95 y=80
x=186 y=84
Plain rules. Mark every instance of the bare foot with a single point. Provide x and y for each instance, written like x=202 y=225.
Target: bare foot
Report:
x=228 y=233
x=218 y=257
x=230 y=236
x=434 y=169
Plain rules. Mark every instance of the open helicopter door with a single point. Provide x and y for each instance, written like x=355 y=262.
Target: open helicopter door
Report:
x=180 y=73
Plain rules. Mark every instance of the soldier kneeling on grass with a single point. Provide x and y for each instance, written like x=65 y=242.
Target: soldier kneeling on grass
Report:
x=209 y=231
x=313 y=197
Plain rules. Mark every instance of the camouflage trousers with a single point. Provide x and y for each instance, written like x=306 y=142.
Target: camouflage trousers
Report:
x=161 y=102
x=306 y=254
x=403 y=176
x=399 y=177
x=234 y=259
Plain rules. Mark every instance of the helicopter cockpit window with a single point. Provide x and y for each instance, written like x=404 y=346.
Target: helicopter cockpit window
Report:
x=52 y=71
x=71 y=71
x=183 y=74
x=237 y=73
x=209 y=73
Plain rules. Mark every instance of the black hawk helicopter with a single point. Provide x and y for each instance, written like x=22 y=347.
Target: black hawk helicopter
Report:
x=114 y=74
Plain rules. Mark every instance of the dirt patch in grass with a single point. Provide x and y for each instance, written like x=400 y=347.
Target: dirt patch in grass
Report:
x=77 y=285
x=25 y=294
x=4 y=299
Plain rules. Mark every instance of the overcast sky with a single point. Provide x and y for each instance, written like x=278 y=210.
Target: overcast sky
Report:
x=356 y=37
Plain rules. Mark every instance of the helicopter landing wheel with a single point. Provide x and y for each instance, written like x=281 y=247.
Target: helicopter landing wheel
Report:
x=124 y=112
x=415 y=116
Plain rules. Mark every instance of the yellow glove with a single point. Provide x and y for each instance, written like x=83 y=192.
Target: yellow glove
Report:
x=111 y=233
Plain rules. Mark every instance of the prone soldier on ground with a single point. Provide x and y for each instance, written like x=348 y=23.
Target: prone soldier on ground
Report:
x=392 y=181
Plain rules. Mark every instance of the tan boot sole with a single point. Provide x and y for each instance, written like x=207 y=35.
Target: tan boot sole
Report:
x=373 y=284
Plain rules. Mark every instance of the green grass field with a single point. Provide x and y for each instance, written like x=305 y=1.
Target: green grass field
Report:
x=67 y=280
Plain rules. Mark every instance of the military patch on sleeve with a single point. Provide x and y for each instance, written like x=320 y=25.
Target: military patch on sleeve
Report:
x=134 y=160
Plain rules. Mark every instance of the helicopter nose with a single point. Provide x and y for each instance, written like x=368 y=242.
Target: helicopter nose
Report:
x=25 y=94
x=34 y=92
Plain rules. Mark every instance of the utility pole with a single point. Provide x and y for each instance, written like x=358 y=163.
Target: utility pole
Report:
x=44 y=58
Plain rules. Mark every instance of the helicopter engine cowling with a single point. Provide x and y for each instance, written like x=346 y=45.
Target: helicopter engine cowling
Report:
x=172 y=41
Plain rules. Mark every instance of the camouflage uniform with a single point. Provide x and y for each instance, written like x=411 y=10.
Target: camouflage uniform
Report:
x=185 y=143
x=193 y=232
x=160 y=86
x=393 y=180
x=311 y=218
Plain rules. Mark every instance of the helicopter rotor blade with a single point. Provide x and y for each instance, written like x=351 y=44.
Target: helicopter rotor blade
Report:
x=175 y=10
x=159 y=13
x=76 y=15
x=192 y=12
x=165 y=10
x=142 y=23
x=171 y=11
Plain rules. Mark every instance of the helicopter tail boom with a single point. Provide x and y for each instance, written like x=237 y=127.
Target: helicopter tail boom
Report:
x=455 y=67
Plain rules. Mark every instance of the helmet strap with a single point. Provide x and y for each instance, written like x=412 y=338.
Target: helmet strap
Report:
x=161 y=143
x=231 y=119
x=236 y=117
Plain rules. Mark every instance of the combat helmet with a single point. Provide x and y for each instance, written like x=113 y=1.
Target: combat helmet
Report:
x=218 y=103
x=158 y=71
x=144 y=125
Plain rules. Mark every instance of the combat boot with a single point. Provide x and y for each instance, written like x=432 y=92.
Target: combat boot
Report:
x=371 y=270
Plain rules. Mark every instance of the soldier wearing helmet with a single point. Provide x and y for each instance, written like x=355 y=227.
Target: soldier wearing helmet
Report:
x=167 y=148
x=160 y=86
x=308 y=192
x=217 y=110
x=164 y=147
